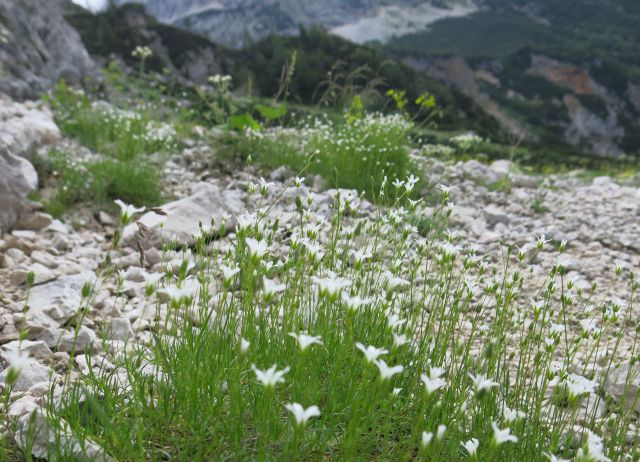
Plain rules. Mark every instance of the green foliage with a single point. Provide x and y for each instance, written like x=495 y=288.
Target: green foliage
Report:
x=97 y=182
x=71 y=181
x=503 y=185
x=331 y=71
x=136 y=183
x=414 y=347
x=538 y=205
x=271 y=113
x=349 y=152
x=243 y=121
x=121 y=134
x=123 y=141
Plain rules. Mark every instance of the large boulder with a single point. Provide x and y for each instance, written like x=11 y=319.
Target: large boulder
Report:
x=18 y=178
x=24 y=127
x=623 y=384
x=183 y=217
x=52 y=304
x=40 y=48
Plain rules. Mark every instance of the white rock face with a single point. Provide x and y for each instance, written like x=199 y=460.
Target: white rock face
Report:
x=47 y=437
x=42 y=48
x=53 y=303
x=209 y=202
x=33 y=372
x=624 y=383
x=18 y=178
x=232 y=21
x=36 y=349
x=22 y=129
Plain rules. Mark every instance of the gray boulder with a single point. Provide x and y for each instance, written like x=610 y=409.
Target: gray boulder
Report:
x=24 y=127
x=52 y=304
x=623 y=384
x=41 y=48
x=208 y=202
x=18 y=178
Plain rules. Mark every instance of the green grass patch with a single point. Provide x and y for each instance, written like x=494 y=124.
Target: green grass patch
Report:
x=357 y=154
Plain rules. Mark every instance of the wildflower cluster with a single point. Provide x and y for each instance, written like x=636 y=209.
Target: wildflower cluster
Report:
x=356 y=154
x=385 y=340
x=467 y=142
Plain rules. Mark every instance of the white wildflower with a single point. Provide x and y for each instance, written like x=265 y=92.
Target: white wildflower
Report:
x=371 y=352
x=399 y=340
x=471 y=446
x=302 y=415
x=256 y=248
x=270 y=377
x=271 y=288
x=127 y=211
x=305 y=340
x=386 y=371
x=482 y=383
x=502 y=436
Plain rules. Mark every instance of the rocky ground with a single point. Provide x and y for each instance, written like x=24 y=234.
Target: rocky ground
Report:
x=599 y=218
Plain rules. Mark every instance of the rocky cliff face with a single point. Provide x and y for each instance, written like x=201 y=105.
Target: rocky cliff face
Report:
x=233 y=22
x=587 y=114
x=38 y=48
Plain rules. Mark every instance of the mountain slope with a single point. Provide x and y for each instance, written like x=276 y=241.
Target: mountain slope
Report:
x=238 y=22
x=38 y=47
x=191 y=58
x=561 y=74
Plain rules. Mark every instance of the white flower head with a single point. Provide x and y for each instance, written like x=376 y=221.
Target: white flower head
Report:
x=228 y=273
x=271 y=288
x=179 y=294
x=593 y=450
x=502 y=436
x=355 y=303
x=302 y=415
x=244 y=345
x=270 y=377
x=265 y=186
x=578 y=385
x=332 y=287
x=371 y=352
x=256 y=248
x=386 y=371
x=510 y=415
x=315 y=250
x=127 y=211
x=18 y=359
x=444 y=189
x=482 y=383
x=305 y=340
x=399 y=340
x=392 y=282
x=471 y=446
x=394 y=321
x=426 y=438
x=554 y=458
x=410 y=183
x=433 y=381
